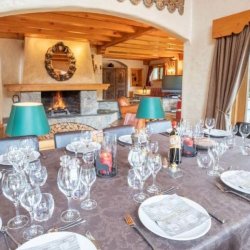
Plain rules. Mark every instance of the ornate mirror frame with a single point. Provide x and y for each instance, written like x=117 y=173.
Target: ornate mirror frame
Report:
x=60 y=48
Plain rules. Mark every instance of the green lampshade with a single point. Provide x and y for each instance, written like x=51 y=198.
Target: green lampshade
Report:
x=27 y=118
x=150 y=108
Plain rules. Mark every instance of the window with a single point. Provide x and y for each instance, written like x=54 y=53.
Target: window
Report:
x=157 y=73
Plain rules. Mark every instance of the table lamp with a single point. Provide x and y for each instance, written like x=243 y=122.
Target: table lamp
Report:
x=27 y=118
x=150 y=108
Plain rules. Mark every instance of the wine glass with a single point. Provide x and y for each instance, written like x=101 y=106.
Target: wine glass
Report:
x=132 y=179
x=86 y=137
x=64 y=160
x=244 y=130
x=89 y=158
x=153 y=147
x=45 y=208
x=13 y=185
x=68 y=180
x=16 y=158
x=149 y=131
x=142 y=171
x=154 y=163
x=38 y=177
x=209 y=123
x=30 y=200
x=75 y=144
x=88 y=177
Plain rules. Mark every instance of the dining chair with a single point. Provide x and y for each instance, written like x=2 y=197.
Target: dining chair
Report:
x=120 y=130
x=238 y=125
x=5 y=143
x=159 y=126
x=62 y=139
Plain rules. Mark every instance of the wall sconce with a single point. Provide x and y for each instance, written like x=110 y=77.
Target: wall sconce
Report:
x=96 y=68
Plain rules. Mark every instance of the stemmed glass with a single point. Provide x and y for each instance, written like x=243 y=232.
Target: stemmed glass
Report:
x=244 y=130
x=38 y=177
x=153 y=147
x=148 y=131
x=13 y=185
x=16 y=158
x=68 y=179
x=75 y=144
x=86 y=137
x=29 y=200
x=154 y=163
x=209 y=123
x=88 y=177
x=204 y=160
x=142 y=172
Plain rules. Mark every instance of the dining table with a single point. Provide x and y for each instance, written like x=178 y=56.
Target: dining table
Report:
x=115 y=199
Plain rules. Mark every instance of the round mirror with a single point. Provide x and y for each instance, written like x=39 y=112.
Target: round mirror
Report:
x=60 y=62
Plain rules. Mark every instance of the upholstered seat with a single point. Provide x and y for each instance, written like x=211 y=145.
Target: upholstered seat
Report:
x=120 y=130
x=5 y=143
x=159 y=126
x=125 y=106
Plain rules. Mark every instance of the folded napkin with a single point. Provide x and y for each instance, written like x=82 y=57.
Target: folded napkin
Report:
x=4 y=159
x=174 y=216
x=239 y=179
x=69 y=242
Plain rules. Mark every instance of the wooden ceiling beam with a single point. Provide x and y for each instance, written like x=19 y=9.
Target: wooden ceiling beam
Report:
x=24 y=30
x=139 y=32
x=11 y=35
x=81 y=22
x=24 y=22
x=149 y=47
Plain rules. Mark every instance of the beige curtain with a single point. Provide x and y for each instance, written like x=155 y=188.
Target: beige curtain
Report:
x=228 y=68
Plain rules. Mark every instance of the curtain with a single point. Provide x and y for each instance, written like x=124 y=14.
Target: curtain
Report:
x=150 y=70
x=228 y=68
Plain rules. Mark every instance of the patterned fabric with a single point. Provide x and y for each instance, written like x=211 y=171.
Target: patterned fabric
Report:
x=64 y=127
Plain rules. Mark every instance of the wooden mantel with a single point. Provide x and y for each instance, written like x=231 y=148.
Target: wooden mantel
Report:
x=54 y=87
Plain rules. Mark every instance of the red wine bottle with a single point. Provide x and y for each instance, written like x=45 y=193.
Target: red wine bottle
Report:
x=175 y=146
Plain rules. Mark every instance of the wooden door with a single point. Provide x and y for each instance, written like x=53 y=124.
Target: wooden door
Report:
x=109 y=77
x=117 y=78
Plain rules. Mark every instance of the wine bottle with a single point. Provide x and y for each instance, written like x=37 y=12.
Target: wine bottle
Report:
x=175 y=146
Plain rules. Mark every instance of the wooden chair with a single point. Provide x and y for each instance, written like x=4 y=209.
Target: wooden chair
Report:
x=120 y=130
x=5 y=143
x=160 y=126
x=125 y=106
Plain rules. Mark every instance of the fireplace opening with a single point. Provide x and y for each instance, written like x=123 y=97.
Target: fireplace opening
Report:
x=60 y=103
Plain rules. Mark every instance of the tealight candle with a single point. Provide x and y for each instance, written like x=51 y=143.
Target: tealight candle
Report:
x=106 y=159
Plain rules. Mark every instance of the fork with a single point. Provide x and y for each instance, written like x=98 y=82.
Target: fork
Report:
x=94 y=241
x=225 y=190
x=129 y=220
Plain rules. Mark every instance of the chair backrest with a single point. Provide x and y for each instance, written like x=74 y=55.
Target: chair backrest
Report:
x=5 y=143
x=238 y=125
x=123 y=101
x=62 y=139
x=120 y=130
x=159 y=126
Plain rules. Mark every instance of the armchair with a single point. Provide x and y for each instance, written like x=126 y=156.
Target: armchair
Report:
x=125 y=106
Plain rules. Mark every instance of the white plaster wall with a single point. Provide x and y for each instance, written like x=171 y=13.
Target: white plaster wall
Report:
x=34 y=55
x=175 y=23
x=198 y=53
x=11 y=55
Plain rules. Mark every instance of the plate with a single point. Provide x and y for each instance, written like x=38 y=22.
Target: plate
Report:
x=84 y=243
x=217 y=133
x=4 y=159
x=204 y=143
x=237 y=179
x=190 y=235
x=83 y=149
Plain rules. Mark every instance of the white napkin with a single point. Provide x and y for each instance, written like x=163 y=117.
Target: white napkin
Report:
x=174 y=216
x=65 y=243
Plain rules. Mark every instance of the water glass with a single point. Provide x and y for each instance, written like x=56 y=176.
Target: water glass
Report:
x=88 y=177
x=209 y=123
x=244 y=130
x=213 y=153
x=16 y=158
x=30 y=200
x=133 y=180
x=13 y=185
x=45 y=208
x=204 y=160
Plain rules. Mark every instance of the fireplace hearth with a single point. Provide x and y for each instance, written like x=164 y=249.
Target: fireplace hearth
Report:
x=61 y=103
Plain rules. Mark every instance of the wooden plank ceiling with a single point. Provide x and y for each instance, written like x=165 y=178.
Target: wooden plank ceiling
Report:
x=113 y=37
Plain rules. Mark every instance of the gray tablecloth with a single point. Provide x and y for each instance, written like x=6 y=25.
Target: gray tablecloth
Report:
x=115 y=198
